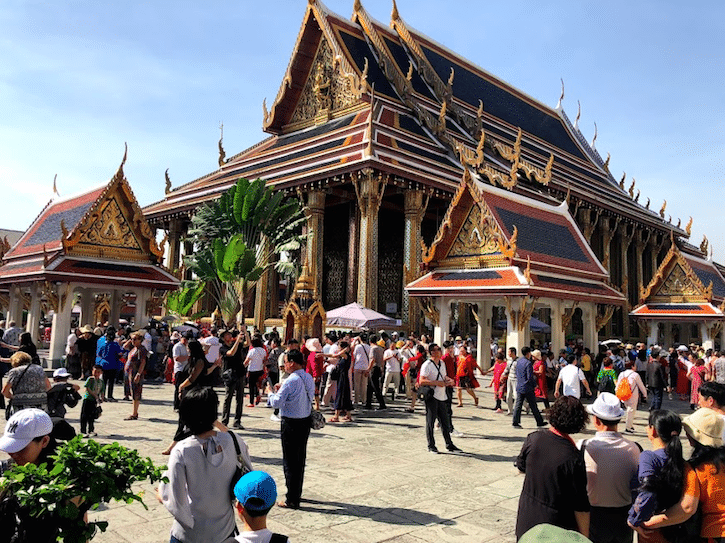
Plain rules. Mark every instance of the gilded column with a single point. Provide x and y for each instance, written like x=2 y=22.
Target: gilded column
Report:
x=174 y=257
x=607 y=233
x=315 y=212
x=414 y=211
x=353 y=246
x=628 y=276
x=369 y=188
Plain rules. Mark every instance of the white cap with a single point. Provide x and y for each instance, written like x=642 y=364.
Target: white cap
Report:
x=23 y=427
x=61 y=373
x=606 y=407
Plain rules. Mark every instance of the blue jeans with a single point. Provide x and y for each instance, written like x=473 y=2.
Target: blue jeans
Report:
x=656 y=395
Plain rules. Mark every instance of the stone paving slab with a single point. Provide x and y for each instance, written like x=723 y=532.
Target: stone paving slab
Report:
x=367 y=481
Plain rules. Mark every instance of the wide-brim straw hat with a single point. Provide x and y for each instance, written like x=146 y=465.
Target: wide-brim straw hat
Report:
x=87 y=329
x=704 y=426
x=313 y=345
x=536 y=354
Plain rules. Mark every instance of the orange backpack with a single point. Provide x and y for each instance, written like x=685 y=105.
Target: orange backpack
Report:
x=624 y=389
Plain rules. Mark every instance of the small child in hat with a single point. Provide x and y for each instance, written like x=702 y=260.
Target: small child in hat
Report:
x=256 y=493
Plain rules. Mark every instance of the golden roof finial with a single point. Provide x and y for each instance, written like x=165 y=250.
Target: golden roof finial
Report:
x=594 y=139
x=636 y=198
x=357 y=6
x=631 y=188
x=168 y=182
x=688 y=228
x=264 y=110
x=561 y=96
x=394 y=15
x=222 y=154
x=679 y=222
x=55 y=187
x=119 y=173
x=409 y=75
x=606 y=162
x=704 y=245
x=621 y=181
x=662 y=209
x=647 y=206
x=578 y=114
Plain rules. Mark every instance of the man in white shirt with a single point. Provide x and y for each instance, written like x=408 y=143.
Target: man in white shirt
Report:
x=612 y=463
x=361 y=361
x=433 y=374
x=393 y=365
x=180 y=353
x=212 y=345
x=569 y=377
x=331 y=347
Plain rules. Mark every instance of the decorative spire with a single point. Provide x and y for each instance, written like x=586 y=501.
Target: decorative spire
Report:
x=578 y=114
x=606 y=162
x=621 y=181
x=662 y=209
x=631 y=188
x=704 y=245
x=647 y=206
x=119 y=173
x=168 y=182
x=222 y=154
x=394 y=16
x=636 y=198
x=357 y=6
x=594 y=139
x=679 y=222
x=688 y=228
x=55 y=187
x=561 y=96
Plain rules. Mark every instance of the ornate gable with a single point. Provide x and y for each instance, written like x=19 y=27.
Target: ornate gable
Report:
x=675 y=282
x=320 y=82
x=469 y=236
x=113 y=227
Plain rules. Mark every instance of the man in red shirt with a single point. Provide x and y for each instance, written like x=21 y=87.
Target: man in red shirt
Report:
x=449 y=359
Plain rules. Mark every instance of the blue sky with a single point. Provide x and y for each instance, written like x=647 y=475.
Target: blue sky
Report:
x=80 y=78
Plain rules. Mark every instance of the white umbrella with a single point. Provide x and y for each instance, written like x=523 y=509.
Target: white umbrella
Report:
x=356 y=316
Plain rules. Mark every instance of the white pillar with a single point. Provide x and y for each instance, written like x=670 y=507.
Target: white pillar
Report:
x=667 y=340
x=483 y=337
x=515 y=337
x=558 y=339
x=589 y=318
x=443 y=328
x=34 y=312
x=87 y=303
x=60 y=330
x=707 y=341
x=115 y=301
x=15 y=306
x=139 y=315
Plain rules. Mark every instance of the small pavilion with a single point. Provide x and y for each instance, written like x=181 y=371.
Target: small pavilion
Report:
x=684 y=301
x=499 y=248
x=94 y=249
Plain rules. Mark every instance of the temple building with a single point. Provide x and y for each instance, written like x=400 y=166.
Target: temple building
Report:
x=95 y=250
x=411 y=160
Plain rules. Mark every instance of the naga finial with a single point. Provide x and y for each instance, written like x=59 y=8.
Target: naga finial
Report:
x=688 y=228
x=561 y=96
x=222 y=154
x=168 y=182
x=621 y=181
x=606 y=162
x=631 y=188
x=647 y=206
x=662 y=209
x=394 y=16
x=578 y=114
x=594 y=139
x=55 y=187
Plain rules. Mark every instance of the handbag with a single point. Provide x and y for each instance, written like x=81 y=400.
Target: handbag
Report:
x=426 y=392
x=98 y=412
x=317 y=419
x=244 y=465
x=335 y=373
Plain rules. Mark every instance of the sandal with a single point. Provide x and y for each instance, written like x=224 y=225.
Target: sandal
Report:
x=409 y=410
x=347 y=419
x=333 y=419
x=131 y=417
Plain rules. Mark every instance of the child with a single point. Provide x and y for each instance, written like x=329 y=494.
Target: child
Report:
x=496 y=383
x=91 y=398
x=255 y=493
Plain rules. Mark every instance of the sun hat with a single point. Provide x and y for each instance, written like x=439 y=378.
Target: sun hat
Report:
x=259 y=485
x=61 y=373
x=176 y=335
x=606 y=407
x=536 y=354
x=23 y=427
x=87 y=329
x=548 y=533
x=313 y=345
x=459 y=338
x=704 y=426
x=682 y=348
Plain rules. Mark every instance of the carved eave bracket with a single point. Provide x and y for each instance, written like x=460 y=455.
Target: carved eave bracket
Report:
x=604 y=315
x=513 y=155
x=521 y=315
x=430 y=309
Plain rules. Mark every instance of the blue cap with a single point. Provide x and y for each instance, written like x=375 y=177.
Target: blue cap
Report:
x=256 y=484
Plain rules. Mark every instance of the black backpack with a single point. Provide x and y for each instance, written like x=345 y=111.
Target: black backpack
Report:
x=606 y=384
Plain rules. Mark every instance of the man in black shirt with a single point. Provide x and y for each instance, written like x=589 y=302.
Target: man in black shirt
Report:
x=233 y=351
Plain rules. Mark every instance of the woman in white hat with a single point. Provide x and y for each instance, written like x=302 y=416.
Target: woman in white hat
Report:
x=704 y=481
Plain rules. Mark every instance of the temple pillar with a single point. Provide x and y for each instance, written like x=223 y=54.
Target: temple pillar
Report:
x=34 y=312
x=139 y=314
x=315 y=213
x=558 y=334
x=707 y=341
x=114 y=301
x=353 y=246
x=15 y=306
x=443 y=327
x=61 y=326
x=653 y=332
x=517 y=326
x=628 y=276
x=589 y=318
x=722 y=338
x=414 y=211
x=607 y=232
x=88 y=302
x=483 y=336
x=173 y=261
x=369 y=188
x=667 y=340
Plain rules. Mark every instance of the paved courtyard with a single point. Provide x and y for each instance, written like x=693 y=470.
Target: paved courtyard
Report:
x=367 y=481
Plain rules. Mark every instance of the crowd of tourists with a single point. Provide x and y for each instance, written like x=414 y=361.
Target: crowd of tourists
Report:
x=604 y=487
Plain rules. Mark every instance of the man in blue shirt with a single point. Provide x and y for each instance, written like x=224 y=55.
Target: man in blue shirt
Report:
x=294 y=401
x=525 y=385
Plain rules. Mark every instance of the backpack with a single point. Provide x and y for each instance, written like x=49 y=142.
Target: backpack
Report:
x=606 y=384
x=624 y=389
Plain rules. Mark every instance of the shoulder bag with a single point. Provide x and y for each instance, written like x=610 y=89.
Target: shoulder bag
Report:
x=317 y=419
x=426 y=392
x=244 y=465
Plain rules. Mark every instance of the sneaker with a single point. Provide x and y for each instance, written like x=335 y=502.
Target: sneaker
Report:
x=516 y=425
x=456 y=433
x=499 y=410
x=93 y=434
x=432 y=450
x=275 y=418
x=453 y=449
x=629 y=431
x=250 y=405
x=86 y=435
x=543 y=424
x=238 y=425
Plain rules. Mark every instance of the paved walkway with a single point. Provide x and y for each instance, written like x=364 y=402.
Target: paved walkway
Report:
x=367 y=481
